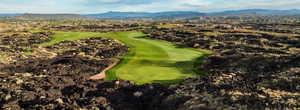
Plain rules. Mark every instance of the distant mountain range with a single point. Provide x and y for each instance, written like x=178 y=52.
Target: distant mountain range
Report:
x=129 y=15
x=50 y=16
x=9 y=15
x=188 y=14
x=158 y=15
x=258 y=11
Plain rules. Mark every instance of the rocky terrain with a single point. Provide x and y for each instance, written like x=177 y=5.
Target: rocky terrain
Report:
x=247 y=70
x=16 y=45
x=59 y=80
x=116 y=27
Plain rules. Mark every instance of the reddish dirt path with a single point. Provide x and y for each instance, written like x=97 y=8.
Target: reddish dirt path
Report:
x=102 y=75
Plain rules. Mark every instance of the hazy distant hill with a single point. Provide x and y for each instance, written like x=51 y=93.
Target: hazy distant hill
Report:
x=258 y=11
x=188 y=14
x=158 y=15
x=9 y=15
x=51 y=16
x=130 y=15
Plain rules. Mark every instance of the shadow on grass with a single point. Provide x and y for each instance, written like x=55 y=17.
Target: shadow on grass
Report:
x=189 y=67
x=181 y=46
x=185 y=67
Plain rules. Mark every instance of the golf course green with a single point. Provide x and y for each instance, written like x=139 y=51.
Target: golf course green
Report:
x=148 y=60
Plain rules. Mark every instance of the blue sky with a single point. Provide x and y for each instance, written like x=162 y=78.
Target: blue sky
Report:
x=100 y=6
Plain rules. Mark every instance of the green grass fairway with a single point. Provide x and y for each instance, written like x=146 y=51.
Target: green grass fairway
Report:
x=149 y=61
x=61 y=36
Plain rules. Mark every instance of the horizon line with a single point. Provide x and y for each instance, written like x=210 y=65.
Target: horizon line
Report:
x=156 y=11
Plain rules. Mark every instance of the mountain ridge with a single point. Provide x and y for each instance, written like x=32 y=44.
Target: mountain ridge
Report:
x=258 y=11
x=157 y=15
x=128 y=15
